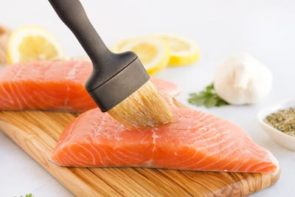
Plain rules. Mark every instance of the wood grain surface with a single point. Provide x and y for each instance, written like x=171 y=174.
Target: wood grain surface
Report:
x=37 y=133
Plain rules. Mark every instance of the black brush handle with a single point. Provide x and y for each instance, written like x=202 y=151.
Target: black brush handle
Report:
x=115 y=76
x=72 y=13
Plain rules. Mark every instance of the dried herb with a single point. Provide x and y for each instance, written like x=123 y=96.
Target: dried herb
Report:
x=283 y=120
x=208 y=98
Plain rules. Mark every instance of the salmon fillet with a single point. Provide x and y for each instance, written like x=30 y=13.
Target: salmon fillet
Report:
x=194 y=141
x=48 y=85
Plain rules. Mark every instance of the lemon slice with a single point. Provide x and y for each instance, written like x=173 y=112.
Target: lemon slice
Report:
x=152 y=51
x=182 y=51
x=32 y=43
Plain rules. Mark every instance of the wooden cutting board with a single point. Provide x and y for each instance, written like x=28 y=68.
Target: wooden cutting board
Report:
x=37 y=133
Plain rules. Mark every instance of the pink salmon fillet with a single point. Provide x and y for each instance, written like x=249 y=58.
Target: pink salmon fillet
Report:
x=54 y=86
x=194 y=141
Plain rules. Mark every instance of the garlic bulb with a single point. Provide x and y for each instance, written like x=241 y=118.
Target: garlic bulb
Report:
x=242 y=80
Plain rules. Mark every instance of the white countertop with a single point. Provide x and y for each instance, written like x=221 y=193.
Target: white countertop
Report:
x=263 y=28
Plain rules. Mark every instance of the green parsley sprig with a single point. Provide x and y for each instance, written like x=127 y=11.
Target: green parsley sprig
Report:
x=27 y=195
x=207 y=97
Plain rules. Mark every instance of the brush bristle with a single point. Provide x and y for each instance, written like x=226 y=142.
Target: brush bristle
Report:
x=143 y=109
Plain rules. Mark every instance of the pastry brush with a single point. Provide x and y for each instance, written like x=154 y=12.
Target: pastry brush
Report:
x=119 y=84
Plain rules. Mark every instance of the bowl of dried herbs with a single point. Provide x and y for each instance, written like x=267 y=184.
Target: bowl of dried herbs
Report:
x=279 y=123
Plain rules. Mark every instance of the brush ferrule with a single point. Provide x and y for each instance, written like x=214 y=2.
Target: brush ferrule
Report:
x=120 y=86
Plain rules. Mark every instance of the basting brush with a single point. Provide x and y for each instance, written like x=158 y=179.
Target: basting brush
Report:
x=119 y=84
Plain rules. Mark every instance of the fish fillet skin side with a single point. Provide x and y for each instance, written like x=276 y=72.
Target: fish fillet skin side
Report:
x=52 y=85
x=194 y=141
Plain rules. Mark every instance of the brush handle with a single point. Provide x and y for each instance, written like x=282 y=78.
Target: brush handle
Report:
x=72 y=13
x=115 y=76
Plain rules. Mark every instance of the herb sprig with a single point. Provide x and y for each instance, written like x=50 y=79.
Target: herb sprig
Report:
x=27 y=195
x=207 y=97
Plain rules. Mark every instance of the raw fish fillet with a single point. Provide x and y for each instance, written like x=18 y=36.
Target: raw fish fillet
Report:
x=48 y=85
x=194 y=141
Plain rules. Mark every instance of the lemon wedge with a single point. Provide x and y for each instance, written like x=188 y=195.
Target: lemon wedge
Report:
x=32 y=43
x=182 y=51
x=152 y=51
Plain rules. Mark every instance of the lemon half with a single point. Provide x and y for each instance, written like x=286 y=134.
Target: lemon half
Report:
x=182 y=51
x=152 y=51
x=32 y=43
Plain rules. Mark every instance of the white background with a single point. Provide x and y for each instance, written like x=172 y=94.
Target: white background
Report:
x=263 y=28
